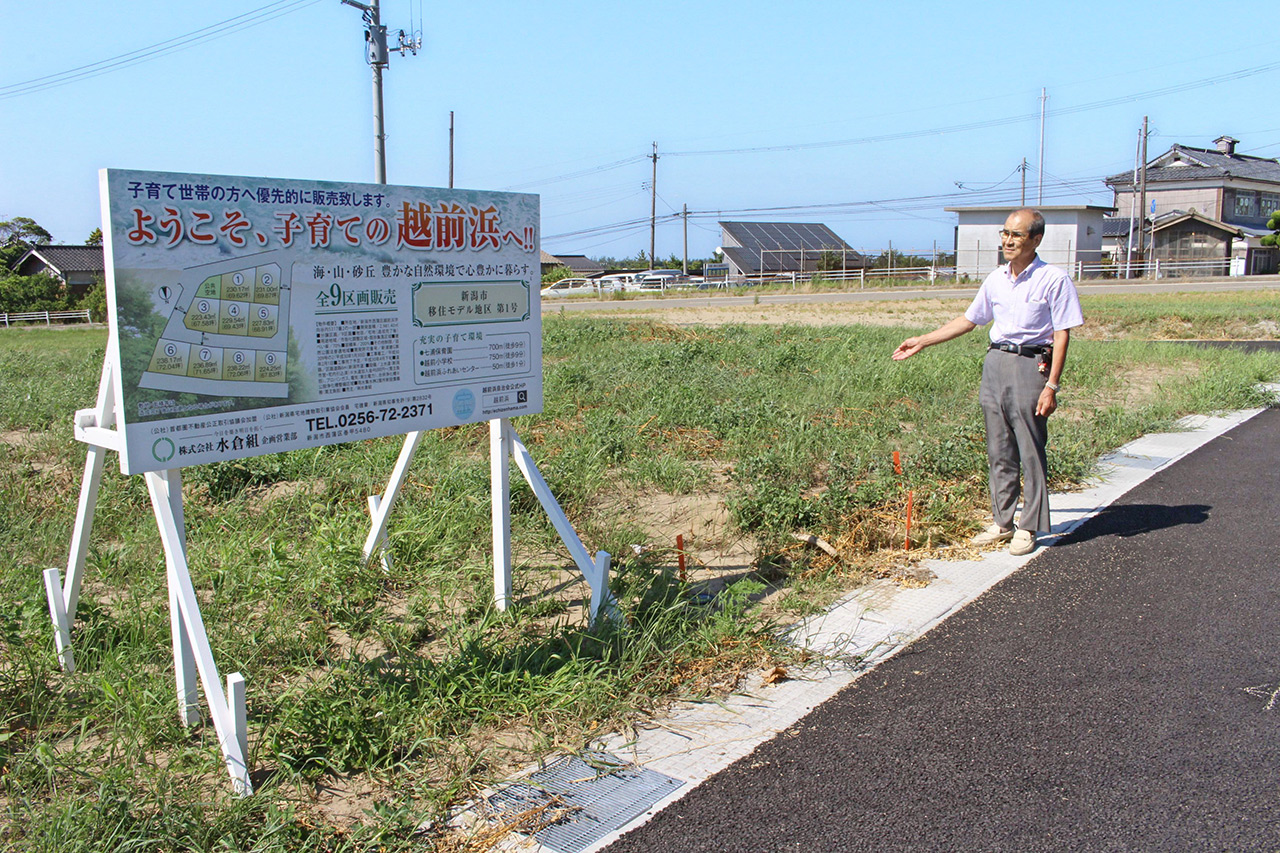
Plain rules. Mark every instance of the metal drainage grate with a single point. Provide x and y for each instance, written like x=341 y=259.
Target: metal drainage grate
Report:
x=600 y=793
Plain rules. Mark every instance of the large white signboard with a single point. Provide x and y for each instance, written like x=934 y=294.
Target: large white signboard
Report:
x=256 y=315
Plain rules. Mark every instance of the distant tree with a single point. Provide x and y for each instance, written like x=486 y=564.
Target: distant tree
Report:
x=94 y=238
x=830 y=260
x=1272 y=239
x=96 y=301
x=900 y=260
x=641 y=262
x=676 y=262
x=41 y=292
x=555 y=274
x=17 y=235
x=25 y=229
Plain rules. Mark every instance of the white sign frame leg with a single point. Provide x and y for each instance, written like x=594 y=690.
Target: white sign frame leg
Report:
x=191 y=643
x=380 y=505
x=504 y=445
x=192 y=654
x=64 y=599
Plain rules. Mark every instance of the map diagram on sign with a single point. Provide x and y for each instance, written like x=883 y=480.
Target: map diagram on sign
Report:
x=228 y=331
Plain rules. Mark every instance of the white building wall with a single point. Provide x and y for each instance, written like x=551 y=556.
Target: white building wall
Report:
x=1072 y=234
x=978 y=242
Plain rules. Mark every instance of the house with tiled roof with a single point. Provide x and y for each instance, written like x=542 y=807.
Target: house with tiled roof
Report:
x=1198 y=200
x=582 y=266
x=549 y=261
x=78 y=267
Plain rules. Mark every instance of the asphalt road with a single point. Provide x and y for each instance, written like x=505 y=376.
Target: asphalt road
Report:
x=1120 y=692
x=645 y=302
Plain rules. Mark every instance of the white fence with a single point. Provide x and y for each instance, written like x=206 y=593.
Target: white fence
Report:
x=1080 y=271
x=46 y=317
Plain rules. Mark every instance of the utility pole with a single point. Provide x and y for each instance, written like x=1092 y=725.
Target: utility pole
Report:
x=1044 y=98
x=450 y=149
x=1142 y=197
x=1133 y=206
x=684 y=265
x=377 y=55
x=1023 y=170
x=653 y=207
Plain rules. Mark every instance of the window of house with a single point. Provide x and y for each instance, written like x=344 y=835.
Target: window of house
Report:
x=1191 y=246
x=1244 y=203
x=1270 y=203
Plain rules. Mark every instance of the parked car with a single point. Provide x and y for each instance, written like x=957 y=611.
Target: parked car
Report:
x=571 y=287
x=621 y=281
x=661 y=279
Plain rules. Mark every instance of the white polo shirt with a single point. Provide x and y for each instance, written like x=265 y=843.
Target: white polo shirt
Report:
x=1028 y=309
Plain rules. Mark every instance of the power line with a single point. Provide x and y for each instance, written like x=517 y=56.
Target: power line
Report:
x=144 y=54
x=608 y=202
x=627 y=161
x=996 y=122
x=936 y=131
x=965 y=185
x=905 y=205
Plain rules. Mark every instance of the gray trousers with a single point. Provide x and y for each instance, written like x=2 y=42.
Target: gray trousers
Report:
x=1016 y=438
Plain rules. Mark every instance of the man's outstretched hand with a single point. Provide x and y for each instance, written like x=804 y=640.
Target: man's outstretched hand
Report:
x=907 y=348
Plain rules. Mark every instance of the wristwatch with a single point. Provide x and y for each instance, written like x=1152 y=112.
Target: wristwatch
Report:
x=1054 y=385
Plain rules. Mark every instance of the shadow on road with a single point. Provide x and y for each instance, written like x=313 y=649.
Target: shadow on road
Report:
x=1127 y=520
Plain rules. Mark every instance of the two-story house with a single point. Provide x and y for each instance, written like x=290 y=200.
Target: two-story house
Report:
x=1203 y=204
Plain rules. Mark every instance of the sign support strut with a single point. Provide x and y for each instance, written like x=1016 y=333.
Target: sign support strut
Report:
x=192 y=655
x=504 y=446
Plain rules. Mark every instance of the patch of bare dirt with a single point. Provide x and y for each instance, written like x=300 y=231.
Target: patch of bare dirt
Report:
x=39 y=457
x=344 y=799
x=1137 y=384
x=913 y=312
x=712 y=544
x=1141 y=382
x=395 y=607
x=20 y=438
x=1264 y=330
x=258 y=498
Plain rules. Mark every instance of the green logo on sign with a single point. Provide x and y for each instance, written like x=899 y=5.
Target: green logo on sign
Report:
x=162 y=449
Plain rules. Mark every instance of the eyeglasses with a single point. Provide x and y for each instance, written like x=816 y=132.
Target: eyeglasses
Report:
x=1005 y=233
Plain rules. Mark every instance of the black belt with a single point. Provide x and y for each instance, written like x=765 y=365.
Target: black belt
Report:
x=1029 y=350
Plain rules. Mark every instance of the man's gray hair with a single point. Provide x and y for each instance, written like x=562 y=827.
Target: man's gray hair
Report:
x=1037 y=221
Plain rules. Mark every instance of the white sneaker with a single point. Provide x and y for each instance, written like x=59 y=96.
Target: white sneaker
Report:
x=1023 y=542
x=993 y=535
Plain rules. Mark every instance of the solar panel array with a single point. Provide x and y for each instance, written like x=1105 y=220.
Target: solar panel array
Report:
x=778 y=246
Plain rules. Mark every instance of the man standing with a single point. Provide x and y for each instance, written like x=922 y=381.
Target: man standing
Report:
x=1032 y=308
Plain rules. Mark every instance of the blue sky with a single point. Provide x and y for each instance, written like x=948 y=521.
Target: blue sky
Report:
x=861 y=115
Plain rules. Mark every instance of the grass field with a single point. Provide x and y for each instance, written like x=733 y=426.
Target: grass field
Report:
x=379 y=699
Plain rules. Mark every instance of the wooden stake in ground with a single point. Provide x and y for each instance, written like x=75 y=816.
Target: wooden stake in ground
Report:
x=906 y=542
x=897 y=469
